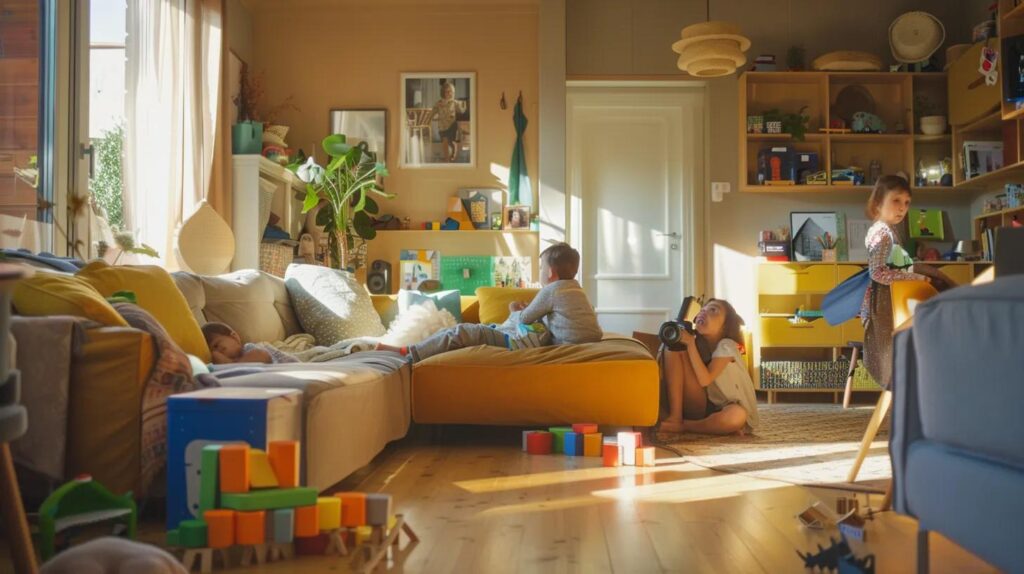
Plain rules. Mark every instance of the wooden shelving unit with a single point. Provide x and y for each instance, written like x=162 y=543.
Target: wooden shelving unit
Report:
x=19 y=102
x=893 y=94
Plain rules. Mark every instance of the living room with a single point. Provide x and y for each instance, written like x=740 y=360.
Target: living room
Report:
x=511 y=285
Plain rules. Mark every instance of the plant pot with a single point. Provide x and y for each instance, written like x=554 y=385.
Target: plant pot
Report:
x=933 y=125
x=247 y=138
x=828 y=255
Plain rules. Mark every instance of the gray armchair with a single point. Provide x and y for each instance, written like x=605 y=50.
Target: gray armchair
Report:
x=958 y=421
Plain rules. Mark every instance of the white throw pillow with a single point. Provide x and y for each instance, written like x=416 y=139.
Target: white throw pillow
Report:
x=330 y=304
x=417 y=323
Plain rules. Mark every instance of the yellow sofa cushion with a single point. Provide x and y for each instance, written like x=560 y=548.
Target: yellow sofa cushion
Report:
x=156 y=293
x=58 y=294
x=494 y=301
x=614 y=382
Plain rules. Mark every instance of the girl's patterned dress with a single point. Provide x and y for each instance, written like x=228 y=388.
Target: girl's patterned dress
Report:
x=876 y=310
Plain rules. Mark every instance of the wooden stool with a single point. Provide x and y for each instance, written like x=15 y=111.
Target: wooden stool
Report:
x=387 y=542
x=858 y=347
x=254 y=551
x=205 y=558
x=335 y=544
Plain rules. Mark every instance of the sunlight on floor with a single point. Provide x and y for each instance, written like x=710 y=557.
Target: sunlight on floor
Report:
x=563 y=477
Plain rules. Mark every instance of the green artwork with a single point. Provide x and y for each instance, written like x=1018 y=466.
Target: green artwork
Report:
x=467 y=272
x=926 y=224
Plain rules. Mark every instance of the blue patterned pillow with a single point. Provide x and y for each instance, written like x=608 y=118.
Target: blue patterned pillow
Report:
x=330 y=304
x=450 y=300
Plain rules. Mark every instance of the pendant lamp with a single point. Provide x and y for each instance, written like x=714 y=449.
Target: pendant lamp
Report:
x=711 y=49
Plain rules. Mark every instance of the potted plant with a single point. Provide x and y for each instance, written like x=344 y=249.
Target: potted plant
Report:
x=793 y=124
x=928 y=120
x=344 y=187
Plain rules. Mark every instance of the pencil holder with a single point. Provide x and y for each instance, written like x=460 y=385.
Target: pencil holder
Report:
x=828 y=254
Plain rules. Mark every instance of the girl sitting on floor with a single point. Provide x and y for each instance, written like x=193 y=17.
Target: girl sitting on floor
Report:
x=717 y=398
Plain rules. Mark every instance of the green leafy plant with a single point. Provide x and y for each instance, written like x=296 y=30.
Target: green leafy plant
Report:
x=345 y=185
x=924 y=107
x=793 y=124
x=125 y=240
x=107 y=186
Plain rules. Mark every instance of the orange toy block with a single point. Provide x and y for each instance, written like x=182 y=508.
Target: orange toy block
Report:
x=584 y=428
x=250 y=527
x=220 y=528
x=611 y=455
x=261 y=475
x=307 y=521
x=645 y=456
x=592 y=444
x=353 y=508
x=284 y=459
x=234 y=468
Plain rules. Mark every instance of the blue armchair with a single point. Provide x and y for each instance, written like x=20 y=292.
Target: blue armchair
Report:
x=957 y=441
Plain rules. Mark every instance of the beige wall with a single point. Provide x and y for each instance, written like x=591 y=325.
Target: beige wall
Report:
x=634 y=37
x=350 y=54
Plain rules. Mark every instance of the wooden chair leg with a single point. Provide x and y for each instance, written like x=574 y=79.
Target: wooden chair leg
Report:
x=23 y=554
x=887 y=499
x=869 y=435
x=922 y=551
x=849 y=379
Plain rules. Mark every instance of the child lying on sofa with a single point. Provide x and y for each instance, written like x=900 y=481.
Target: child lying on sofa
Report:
x=561 y=306
x=226 y=347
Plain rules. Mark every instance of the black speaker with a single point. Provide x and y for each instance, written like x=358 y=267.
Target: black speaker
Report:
x=378 y=278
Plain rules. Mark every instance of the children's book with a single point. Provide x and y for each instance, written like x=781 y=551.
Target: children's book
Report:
x=513 y=272
x=417 y=266
x=926 y=224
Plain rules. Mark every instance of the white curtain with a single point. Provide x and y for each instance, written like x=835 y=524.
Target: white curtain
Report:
x=172 y=77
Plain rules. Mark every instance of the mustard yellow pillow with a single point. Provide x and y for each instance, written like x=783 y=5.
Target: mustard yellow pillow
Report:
x=48 y=293
x=494 y=301
x=156 y=292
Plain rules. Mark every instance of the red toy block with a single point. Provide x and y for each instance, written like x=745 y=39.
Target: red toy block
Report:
x=284 y=459
x=311 y=545
x=234 y=468
x=307 y=521
x=220 y=528
x=645 y=456
x=584 y=428
x=353 y=508
x=611 y=454
x=539 y=442
x=250 y=527
x=629 y=441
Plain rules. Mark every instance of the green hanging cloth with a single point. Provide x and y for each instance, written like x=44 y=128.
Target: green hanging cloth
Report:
x=519 y=190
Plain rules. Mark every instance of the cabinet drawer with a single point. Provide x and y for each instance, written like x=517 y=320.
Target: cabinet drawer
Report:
x=852 y=331
x=793 y=278
x=779 y=332
x=844 y=272
x=961 y=274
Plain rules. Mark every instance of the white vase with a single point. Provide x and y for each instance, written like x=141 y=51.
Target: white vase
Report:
x=933 y=125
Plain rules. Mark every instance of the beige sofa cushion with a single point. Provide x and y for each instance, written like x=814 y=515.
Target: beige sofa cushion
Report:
x=252 y=302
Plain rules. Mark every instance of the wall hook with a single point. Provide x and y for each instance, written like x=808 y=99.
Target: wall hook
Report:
x=520 y=100
x=502 y=103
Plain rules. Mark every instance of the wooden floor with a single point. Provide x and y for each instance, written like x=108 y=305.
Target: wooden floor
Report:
x=479 y=504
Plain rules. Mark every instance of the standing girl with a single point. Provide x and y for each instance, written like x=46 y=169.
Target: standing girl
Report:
x=887 y=262
x=717 y=398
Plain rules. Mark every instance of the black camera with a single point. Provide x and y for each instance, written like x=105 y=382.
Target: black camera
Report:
x=670 y=332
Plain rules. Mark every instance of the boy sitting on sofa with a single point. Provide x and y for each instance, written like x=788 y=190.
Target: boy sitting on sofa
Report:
x=561 y=307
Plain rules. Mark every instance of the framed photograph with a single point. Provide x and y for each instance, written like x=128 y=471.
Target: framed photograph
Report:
x=809 y=231
x=517 y=217
x=368 y=125
x=438 y=120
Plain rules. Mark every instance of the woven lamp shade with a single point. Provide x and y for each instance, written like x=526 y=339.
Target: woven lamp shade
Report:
x=711 y=49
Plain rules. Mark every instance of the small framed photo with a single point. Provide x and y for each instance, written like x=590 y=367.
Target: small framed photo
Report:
x=517 y=217
x=438 y=120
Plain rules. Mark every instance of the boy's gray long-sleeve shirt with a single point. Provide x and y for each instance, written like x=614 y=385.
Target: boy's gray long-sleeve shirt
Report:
x=566 y=312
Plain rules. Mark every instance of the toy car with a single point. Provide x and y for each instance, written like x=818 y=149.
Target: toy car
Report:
x=817 y=178
x=848 y=176
x=867 y=123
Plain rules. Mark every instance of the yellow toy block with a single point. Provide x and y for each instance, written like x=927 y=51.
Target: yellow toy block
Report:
x=363 y=534
x=261 y=474
x=592 y=444
x=329 y=512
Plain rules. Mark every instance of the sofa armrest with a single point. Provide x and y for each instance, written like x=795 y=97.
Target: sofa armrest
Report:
x=906 y=412
x=104 y=413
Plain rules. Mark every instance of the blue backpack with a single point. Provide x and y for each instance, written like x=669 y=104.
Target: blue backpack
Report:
x=843 y=303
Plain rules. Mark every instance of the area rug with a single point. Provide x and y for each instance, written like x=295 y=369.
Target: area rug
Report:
x=800 y=444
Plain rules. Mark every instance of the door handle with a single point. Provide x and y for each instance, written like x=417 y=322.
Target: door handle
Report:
x=88 y=150
x=673 y=235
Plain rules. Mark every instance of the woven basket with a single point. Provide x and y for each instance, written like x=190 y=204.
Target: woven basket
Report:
x=276 y=257
x=804 y=374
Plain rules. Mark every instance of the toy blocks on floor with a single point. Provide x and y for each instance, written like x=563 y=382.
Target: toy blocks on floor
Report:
x=261 y=475
x=610 y=455
x=584 y=428
x=629 y=442
x=220 y=528
x=584 y=439
x=307 y=521
x=284 y=459
x=329 y=512
x=573 y=444
x=558 y=440
x=592 y=444
x=234 y=468
x=645 y=456
x=540 y=442
x=353 y=508
x=269 y=498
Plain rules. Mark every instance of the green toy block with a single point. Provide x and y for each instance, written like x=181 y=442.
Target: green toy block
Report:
x=558 y=440
x=208 y=485
x=191 y=534
x=172 y=540
x=269 y=498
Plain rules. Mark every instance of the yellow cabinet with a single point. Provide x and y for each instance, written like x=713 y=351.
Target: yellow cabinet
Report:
x=961 y=274
x=779 y=332
x=795 y=278
x=853 y=330
x=844 y=272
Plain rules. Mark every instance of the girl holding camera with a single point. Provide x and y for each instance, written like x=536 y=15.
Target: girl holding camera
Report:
x=713 y=398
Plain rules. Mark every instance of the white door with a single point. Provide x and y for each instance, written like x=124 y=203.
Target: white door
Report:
x=635 y=159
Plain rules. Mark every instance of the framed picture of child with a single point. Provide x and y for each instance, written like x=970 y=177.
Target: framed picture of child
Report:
x=517 y=217
x=438 y=120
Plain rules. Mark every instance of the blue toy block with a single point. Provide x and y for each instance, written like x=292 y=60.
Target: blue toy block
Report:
x=573 y=444
x=284 y=525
